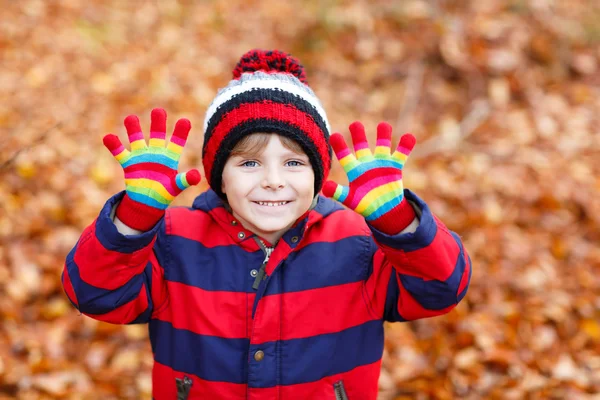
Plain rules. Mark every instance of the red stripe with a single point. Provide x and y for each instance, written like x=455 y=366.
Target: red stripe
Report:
x=150 y=166
x=127 y=312
x=354 y=225
x=107 y=269
x=69 y=286
x=360 y=383
x=270 y=110
x=216 y=313
x=379 y=172
x=164 y=387
x=211 y=230
x=280 y=253
x=435 y=261
x=370 y=180
x=202 y=227
x=195 y=225
x=226 y=314
x=321 y=311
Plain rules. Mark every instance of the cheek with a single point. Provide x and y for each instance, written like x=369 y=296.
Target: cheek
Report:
x=306 y=186
x=240 y=188
x=226 y=179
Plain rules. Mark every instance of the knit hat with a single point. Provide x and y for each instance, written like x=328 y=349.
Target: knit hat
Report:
x=268 y=94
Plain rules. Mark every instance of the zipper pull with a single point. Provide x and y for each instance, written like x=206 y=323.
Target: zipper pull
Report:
x=183 y=387
x=259 y=276
x=261 y=272
x=340 y=391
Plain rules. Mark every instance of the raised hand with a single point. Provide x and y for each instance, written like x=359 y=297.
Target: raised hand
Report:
x=151 y=178
x=375 y=188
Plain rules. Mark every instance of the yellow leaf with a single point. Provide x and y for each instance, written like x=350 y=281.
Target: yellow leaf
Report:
x=26 y=170
x=591 y=328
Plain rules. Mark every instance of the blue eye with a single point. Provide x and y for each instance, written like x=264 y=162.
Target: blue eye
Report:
x=249 y=164
x=295 y=163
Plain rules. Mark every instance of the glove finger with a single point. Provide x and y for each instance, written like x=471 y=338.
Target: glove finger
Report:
x=405 y=147
x=184 y=180
x=384 y=140
x=359 y=140
x=116 y=148
x=336 y=191
x=158 y=127
x=342 y=152
x=134 y=132
x=179 y=137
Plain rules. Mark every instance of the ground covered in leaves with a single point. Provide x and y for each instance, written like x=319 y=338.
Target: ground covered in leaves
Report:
x=503 y=97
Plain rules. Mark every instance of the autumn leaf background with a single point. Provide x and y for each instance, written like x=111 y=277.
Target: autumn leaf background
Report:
x=503 y=97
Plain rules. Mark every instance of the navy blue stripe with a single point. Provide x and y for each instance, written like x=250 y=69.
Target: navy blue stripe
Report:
x=223 y=268
x=230 y=360
x=390 y=312
x=326 y=206
x=434 y=294
x=111 y=239
x=323 y=264
x=207 y=201
x=143 y=318
x=208 y=357
x=317 y=265
x=93 y=300
x=310 y=359
x=417 y=240
x=263 y=373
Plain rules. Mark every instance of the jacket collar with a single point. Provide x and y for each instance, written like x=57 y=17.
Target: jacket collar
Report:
x=212 y=204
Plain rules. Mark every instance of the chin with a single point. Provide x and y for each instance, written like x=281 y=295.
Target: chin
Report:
x=276 y=226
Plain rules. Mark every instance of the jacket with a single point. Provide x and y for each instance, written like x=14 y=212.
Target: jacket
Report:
x=309 y=325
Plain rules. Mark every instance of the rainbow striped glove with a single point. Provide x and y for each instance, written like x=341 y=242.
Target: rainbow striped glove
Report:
x=375 y=188
x=151 y=178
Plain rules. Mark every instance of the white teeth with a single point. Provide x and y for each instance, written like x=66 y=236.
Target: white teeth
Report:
x=272 y=204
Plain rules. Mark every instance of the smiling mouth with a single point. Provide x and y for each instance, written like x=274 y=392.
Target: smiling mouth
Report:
x=272 y=203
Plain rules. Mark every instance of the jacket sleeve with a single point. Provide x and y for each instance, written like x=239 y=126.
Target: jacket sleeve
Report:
x=116 y=278
x=420 y=274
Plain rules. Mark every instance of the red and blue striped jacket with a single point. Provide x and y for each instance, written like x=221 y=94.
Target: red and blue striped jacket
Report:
x=313 y=328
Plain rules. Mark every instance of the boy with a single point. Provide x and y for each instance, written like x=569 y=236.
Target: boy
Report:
x=263 y=289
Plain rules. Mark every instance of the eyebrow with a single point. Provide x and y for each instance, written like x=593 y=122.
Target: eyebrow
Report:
x=290 y=153
x=287 y=154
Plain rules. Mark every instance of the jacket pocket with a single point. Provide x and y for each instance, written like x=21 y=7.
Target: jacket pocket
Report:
x=340 y=391
x=183 y=387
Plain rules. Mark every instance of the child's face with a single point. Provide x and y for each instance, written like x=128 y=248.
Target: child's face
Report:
x=270 y=190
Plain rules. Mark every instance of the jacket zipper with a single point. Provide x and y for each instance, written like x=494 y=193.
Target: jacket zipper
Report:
x=183 y=387
x=340 y=391
x=261 y=272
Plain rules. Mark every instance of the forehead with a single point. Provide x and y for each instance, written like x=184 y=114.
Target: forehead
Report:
x=258 y=144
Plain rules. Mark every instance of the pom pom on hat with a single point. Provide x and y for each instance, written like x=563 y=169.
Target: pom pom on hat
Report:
x=269 y=61
x=269 y=94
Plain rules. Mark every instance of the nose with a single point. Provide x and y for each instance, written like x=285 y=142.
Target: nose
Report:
x=273 y=179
